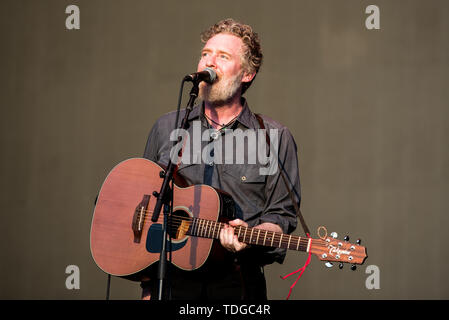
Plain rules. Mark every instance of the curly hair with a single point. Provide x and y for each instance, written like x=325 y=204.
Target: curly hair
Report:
x=252 y=53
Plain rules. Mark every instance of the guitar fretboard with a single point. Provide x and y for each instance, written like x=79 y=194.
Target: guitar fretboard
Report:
x=211 y=229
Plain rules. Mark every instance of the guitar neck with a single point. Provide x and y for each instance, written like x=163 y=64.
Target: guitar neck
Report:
x=211 y=229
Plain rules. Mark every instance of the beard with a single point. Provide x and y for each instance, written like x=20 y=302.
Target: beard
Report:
x=222 y=91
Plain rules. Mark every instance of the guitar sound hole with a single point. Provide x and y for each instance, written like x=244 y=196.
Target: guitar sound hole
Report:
x=178 y=224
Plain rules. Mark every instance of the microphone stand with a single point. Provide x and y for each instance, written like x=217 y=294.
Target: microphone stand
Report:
x=165 y=196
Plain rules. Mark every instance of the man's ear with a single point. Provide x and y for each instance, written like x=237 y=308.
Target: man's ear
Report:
x=248 y=77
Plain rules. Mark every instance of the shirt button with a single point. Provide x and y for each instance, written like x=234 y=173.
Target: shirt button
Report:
x=214 y=135
x=243 y=178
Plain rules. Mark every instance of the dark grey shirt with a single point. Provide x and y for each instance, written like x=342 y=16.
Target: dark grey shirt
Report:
x=241 y=169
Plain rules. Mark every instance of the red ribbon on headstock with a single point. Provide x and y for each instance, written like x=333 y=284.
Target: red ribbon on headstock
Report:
x=302 y=269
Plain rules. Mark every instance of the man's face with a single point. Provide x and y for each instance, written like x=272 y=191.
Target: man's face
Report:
x=223 y=53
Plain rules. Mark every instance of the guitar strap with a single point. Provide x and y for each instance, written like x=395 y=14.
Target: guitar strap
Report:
x=281 y=170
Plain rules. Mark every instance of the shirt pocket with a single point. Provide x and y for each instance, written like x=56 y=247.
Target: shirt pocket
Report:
x=247 y=187
x=244 y=174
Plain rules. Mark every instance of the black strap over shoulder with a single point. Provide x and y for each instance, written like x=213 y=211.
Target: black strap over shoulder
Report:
x=281 y=170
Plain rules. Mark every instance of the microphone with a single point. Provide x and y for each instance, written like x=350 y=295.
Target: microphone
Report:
x=208 y=75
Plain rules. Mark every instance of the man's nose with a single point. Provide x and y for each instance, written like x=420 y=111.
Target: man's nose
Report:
x=210 y=61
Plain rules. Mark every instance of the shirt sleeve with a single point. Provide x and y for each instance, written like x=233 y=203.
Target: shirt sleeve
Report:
x=151 y=148
x=279 y=208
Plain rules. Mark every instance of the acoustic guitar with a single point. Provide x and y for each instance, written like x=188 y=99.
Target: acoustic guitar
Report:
x=125 y=241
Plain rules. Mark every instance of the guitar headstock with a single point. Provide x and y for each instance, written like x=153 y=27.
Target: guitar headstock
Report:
x=331 y=249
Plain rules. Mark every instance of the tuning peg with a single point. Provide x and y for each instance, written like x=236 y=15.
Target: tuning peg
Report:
x=341 y=265
x=353 y=267
x=334 y=235
x=346 y=238
x=329 y=264
x=359 y=241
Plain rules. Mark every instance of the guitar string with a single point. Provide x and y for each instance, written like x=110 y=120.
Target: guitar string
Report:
x=221 y=225
x=206 y=229
x=303 y=242
x=202 y=230
x=276 y=235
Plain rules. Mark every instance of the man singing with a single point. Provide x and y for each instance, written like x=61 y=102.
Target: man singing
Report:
x=262 y=199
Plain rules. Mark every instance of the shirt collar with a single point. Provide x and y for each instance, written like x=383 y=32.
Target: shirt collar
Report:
x=246 y=117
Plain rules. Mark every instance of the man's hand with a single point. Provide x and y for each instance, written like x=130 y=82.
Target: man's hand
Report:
x=229 y=240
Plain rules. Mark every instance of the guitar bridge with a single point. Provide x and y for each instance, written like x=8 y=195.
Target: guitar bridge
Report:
x=139 y=218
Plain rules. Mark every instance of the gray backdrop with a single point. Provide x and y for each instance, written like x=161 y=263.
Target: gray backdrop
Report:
x=368 y=109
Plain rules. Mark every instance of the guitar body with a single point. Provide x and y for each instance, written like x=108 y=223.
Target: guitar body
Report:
x=124 y=240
